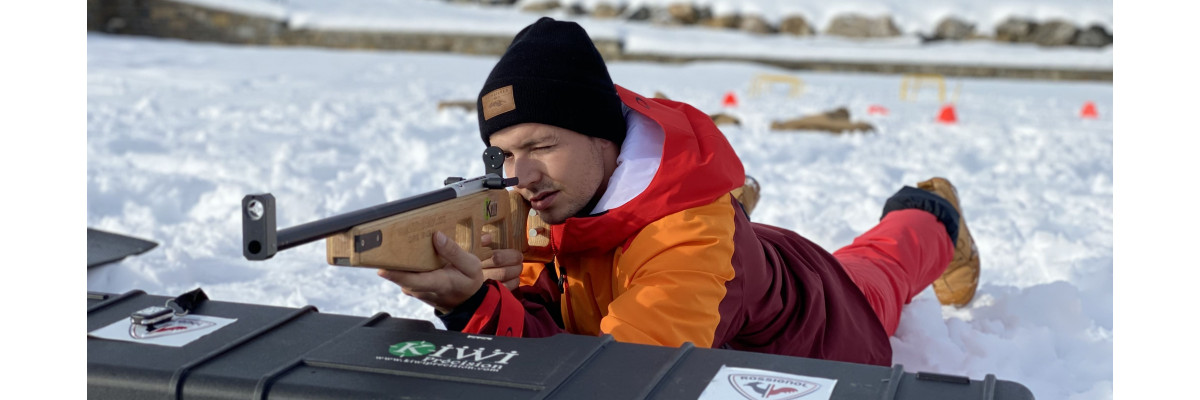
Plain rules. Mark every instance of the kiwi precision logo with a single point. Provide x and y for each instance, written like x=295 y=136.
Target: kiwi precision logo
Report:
x=412 y=349
x=422 y=353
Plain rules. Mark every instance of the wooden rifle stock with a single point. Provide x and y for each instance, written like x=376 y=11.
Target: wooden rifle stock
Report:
x=405 y=241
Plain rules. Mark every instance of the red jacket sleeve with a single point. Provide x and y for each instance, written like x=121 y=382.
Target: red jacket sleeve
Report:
x=529 y=311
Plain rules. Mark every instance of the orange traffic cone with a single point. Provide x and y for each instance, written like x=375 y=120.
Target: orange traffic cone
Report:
x=1089 y=111
x=877 y=109
x=947 y=115
x=730 y=100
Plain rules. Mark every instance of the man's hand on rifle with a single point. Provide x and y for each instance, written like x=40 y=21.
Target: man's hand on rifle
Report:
x=504 y=266
x=460 y=276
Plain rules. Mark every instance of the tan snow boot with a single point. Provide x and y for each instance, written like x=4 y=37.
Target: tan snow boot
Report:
x=957 y=285
x=747 y=194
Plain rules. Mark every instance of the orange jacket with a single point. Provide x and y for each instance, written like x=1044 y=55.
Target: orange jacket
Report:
x=680 y=262
x=662 y=287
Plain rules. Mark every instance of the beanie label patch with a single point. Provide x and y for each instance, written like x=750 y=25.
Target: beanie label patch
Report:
x=498 y=102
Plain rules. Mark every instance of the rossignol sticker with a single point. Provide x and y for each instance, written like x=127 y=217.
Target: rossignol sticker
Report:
x=176 y=332
x=757 y=384
x=420 y=352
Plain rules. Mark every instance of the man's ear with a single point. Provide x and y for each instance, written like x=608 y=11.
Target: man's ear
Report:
x=606 y=144
x=608 y=150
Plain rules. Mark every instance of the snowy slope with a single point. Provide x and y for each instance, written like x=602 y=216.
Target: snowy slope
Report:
x=910 y=16
x=434 y=16
x=178 y=132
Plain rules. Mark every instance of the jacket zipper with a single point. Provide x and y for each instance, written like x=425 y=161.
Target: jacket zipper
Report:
x=561 y=276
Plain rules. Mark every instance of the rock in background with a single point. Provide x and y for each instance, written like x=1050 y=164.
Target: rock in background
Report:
x=796 y=25
x=687 y=14
x=173 y=19
x=725 y=119
x=862 y=27
x=951 y=28
x=605 y=10
x=1054 y=33
x=726 y=21
x=1094 y=36
x=642 y=13
x=541 y=7
x=834 y=121
x=757 y=24
x=1017 y=30
x=1011 y=30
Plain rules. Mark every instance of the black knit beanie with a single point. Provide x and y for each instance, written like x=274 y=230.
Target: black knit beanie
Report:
x=551 y=74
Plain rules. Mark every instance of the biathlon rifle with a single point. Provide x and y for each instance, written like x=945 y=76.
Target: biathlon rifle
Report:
x=397 y=235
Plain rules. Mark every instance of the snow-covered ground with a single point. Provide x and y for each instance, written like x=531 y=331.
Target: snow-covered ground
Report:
x=178 y=132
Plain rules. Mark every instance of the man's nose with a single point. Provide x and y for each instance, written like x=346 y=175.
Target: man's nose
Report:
x=526 y=171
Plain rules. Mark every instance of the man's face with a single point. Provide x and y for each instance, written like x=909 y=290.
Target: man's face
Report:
x=559 y=171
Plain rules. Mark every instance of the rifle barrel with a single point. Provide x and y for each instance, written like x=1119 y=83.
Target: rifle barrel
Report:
x=319 y=229
x=261 y=240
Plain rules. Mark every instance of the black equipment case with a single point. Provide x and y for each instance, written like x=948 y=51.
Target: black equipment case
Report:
x=289 y=353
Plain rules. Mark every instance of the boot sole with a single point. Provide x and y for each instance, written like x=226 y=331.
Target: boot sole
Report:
x=965 y=265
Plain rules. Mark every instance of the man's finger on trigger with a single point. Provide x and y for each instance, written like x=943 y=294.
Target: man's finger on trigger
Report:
x=485 y=240
x=507 y=257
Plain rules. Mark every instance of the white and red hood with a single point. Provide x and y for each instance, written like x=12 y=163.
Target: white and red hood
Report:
x=695 y=165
